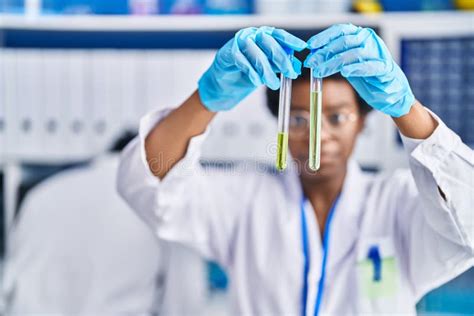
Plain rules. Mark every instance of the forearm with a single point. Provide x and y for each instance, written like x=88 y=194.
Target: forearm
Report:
x=167 y=142
x=418 y=123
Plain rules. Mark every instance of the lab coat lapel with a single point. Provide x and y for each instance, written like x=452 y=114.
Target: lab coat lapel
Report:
x=345 y=223
x=293 y=189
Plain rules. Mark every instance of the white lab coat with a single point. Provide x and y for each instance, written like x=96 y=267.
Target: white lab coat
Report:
x=78 y=249
x=250 y=222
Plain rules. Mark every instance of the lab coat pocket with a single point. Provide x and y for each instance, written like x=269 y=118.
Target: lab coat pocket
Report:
x=377 y=269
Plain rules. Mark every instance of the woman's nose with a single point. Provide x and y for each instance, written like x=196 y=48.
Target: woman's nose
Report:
x=325 y=130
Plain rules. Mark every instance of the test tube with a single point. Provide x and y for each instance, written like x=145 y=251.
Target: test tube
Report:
x=283 y=120
x=315 y=113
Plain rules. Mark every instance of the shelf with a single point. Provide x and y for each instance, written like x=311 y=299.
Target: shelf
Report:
x=225 y=22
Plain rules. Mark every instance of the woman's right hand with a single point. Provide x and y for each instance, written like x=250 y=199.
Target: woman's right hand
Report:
x=251 y=58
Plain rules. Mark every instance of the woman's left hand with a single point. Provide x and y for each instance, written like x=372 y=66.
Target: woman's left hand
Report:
x=362 y=57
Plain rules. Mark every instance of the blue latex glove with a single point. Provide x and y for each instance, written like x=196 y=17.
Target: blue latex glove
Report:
x=362 y=57
x=250 y=59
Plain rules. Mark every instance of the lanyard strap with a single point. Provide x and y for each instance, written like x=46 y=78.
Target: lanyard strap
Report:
x=304 y=240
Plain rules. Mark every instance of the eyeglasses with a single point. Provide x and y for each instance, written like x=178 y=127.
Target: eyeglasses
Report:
x=299 y=121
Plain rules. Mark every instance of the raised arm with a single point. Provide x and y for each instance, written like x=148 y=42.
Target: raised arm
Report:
x=435 y=227
x=167 y=142
x=159 y=174
x=245 y=62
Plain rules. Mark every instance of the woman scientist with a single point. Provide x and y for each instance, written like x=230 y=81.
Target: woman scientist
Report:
x=335 y=242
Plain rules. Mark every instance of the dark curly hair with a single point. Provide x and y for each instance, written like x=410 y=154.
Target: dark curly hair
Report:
x=273 y=96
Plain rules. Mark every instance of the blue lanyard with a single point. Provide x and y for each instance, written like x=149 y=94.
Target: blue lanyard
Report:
x=304 y=239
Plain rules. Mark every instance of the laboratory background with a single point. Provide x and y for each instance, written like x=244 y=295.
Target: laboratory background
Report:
x=76 y=76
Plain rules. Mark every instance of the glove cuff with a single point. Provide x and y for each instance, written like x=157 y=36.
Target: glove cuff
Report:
x=213 y=97
x=402 y=107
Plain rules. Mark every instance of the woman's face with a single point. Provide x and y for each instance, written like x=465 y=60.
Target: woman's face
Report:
x=341 y=123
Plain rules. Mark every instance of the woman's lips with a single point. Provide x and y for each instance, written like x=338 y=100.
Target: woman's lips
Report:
x=327 y=159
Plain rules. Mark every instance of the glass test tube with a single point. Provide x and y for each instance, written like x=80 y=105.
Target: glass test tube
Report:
x=315 y=113
x=283 y=122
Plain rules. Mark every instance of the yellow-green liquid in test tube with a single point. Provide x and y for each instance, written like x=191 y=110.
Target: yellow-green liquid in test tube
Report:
x=282 y=150
x=315 y=112
x=283 y=120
